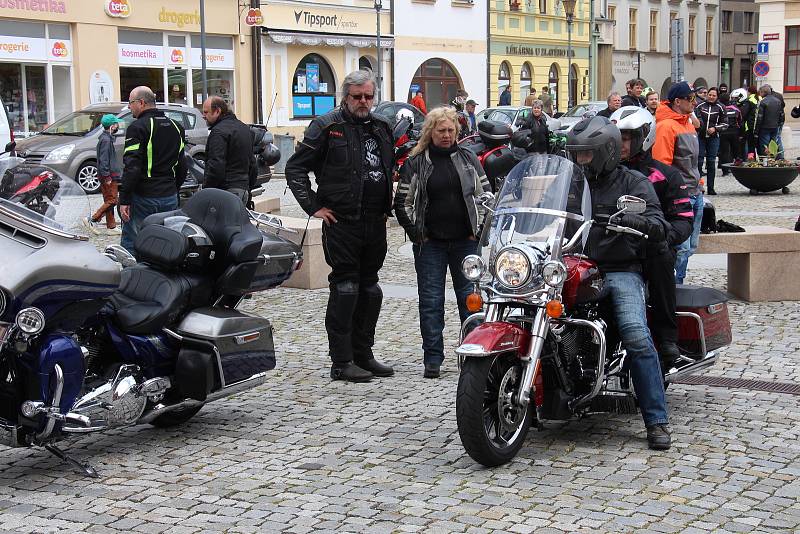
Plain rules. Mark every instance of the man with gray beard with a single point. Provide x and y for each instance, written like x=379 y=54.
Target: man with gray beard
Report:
x=351 y=153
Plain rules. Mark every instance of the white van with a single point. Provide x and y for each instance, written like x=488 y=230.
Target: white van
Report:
x=6 y=136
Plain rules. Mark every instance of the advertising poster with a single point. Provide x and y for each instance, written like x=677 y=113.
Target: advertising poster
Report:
x=101 y=88
x=301 y=84
x=312 y=77
x=301 y=106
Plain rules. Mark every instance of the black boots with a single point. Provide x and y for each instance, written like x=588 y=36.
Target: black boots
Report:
x=350 y=372
x=658 y=437
x=668 y=354
x=432 y=370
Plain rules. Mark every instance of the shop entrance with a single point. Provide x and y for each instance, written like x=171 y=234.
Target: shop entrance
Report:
x=439 y=80
x=24 y=93
x=132 y=77
x=552 y=82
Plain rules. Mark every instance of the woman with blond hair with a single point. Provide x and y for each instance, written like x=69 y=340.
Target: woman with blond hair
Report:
x=436 y=205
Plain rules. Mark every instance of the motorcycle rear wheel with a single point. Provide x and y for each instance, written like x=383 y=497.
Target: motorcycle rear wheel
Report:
x=492 y=428
x=175 y=418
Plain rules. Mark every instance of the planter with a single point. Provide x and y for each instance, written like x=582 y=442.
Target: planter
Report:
x=763 y=179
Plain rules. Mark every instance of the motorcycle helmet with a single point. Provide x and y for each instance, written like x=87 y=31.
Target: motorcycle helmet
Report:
x=594 y=145
x=796 y=112
x=640 y=123
x=738 y=96
x=270 y=155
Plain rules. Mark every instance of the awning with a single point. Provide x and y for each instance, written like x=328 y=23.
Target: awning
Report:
x=327 y=39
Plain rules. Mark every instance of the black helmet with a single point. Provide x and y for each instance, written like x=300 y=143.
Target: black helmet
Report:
x=796 y=112
x=600 y=137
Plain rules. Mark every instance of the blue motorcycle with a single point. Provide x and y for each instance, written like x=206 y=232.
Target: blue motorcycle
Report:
x=91 y=341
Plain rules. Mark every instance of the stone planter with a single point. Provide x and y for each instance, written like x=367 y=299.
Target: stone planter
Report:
x=763 y=179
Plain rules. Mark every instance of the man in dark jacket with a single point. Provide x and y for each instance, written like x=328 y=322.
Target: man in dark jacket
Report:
x=769 y=119
x=614 y=102
x=634 y=96
x=505 y=96
x=154 y=164
x=108 y=170
x=350 y=151
x=595 y=144
x=712 y=117
x=230 y=162
x=638 y=129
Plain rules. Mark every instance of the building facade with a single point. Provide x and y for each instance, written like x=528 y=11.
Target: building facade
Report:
x=528 y=47
x=307 y=50
x=437 y=57
x=739 y=26
x=60 y=55
x=779 y=26
x=642 y=42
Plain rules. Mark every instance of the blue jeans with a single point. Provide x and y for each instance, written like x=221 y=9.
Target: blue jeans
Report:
x=709 y=148
x=688 y=247
x=626 y=291
x=141 y=207
x=431 y=260
x=765 y=136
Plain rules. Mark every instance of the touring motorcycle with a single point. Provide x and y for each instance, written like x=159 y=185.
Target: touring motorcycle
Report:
x=542 y=344
x=91 y=341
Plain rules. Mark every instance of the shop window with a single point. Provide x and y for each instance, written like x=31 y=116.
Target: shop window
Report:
x=176 y=85
x=140 y=38
x=21 y=29
x=220 y=83
x=792 y=76
x=217 y=42
x=525 y=76
x=62 y=93
x=552 y=82
x=313 y=88
x=132 y=77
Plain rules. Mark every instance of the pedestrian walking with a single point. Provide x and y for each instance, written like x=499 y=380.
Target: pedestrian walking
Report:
x=108 y=171
x=419 y=102
x=614 y=102
x=505 y=96
x=230 y=162
x=547 y=101
x=676 y=145
x=154 y=164
x=436 y=205
x=351 y=153
x=530 y=98
x=769 y=119
x=712 y=116
x=469 y=124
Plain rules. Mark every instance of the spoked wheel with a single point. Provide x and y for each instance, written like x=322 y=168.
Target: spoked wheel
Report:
x=492 y=427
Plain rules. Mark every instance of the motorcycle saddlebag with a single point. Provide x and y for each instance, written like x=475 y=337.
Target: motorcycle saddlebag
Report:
x=276 y=263
x=242 y=343
x=712 y=308
x=494 y=133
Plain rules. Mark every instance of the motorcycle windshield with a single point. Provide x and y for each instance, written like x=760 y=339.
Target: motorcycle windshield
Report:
x=43 y=198
x=543 y=200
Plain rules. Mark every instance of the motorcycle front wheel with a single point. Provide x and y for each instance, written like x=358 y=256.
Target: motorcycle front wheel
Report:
x=492 y=427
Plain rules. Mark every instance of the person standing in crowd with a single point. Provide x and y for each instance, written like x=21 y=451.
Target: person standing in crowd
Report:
x=154 y=164
x=351 y=153
x=652 y=102
x=711 y=115
x=638 y=128
x=769 y=119
x=436 y=205
x=108 y=170
x=547 y=101
x=749 y=117
x=729 y=138
x=700 y=92
x=634 y=96
x=530 y=98
x=505 y=96
x=676 y=145
x=230 y=162
x=614 y=102
x=470 y=125
x=419 y=102
x=723 y=89
x=537 y=124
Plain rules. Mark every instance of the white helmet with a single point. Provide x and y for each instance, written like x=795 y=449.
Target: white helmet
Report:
x=404 y=113
x=739 y=95
x=641 y=123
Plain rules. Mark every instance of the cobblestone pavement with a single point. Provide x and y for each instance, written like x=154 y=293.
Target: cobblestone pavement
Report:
x=304 y=454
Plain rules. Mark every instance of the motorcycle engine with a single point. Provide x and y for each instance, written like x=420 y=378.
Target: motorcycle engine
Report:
x=578 y=355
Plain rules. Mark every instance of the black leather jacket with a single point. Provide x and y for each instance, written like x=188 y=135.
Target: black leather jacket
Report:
x=770 y=113
x=615 y=252
x=540 y=135
x=333 y=149
x=230 y=162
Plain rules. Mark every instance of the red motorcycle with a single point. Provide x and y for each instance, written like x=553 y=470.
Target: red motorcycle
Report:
x=541 y=345
x=491 y=145
x=30 y=185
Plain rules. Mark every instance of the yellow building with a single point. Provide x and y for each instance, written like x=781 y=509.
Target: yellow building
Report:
x=528 y=43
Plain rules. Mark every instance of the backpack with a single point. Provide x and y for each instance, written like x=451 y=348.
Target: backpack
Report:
x=733 y=118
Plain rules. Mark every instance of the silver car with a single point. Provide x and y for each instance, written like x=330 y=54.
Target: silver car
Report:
x=514 y=116
x=580 y=112
x=69 y=145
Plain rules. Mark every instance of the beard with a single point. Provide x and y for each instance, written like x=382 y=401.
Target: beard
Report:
x=360 y=112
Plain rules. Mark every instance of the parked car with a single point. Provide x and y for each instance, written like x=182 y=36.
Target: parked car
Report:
x=514 y=116
x=574 y=115
x=69 y=145
x=388 y=110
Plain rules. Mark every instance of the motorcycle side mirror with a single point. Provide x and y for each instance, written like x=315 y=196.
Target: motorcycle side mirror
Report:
x=120 y=255
x=631 y=204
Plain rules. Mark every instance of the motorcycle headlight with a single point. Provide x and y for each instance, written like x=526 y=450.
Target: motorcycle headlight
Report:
x=554 y=273
x=513 y=268
x=30 y=321
x=60 y=154
x=473 y=267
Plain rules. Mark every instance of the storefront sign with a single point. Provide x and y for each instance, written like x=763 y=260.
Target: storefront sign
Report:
x=19 y=48
x=254 y=17
x=523 y=50
x=771 y=37
x=535 y=50
x=130 y=54
x=101 y=88
x=177 y=56
x=43 y=6
x=118 y=8
x=344 y=20
x=179 y=19
x=215 y=58
x=60 y=51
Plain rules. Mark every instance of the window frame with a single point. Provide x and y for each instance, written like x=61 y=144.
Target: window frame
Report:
x=709 y=35
x=633 y=28
x=789 y=54
x=727 y=16
x=611 y=14
x=654 y=30
x=751 y=17
x=543 y=7
x=691 y=35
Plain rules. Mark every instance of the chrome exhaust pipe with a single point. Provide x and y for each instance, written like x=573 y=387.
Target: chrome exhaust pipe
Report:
x=233 y=389
x=688 y=370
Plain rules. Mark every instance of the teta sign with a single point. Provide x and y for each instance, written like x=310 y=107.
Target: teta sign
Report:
x=254 y=17
x=118 y=8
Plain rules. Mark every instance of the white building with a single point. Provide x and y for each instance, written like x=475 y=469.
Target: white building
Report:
x=440 y=47
x=779 y=26
x=642 y=41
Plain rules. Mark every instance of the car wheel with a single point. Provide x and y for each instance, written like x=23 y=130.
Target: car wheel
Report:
x=87 y=177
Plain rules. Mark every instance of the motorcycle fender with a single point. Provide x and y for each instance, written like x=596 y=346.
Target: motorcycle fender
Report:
x=488 y=339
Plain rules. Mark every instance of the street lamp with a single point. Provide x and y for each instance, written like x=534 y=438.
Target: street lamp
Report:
x=569 y=11
x=378 y=6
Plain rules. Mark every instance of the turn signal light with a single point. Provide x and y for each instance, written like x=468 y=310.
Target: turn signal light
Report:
x=474 y=302
x=554 y=308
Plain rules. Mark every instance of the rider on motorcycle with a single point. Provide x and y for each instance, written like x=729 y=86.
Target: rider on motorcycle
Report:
x=638 y=128
x=595 y=145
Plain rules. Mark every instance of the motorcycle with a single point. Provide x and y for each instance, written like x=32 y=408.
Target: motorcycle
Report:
x=91 y=341
x=491 y=145
x=405 y=139
x=30 y=185
x=542 y=345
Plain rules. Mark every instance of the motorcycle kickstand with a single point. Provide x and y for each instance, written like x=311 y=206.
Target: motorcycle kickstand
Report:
x=86 y=469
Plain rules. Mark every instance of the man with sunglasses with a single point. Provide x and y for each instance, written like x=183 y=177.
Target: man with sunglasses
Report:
x=677 y=145
x=351 y=153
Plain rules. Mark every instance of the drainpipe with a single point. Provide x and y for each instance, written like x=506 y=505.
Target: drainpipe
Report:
x=255 y=49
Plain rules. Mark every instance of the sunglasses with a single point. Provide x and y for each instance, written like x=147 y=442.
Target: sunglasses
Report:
x=690 y=98
x=363 y=96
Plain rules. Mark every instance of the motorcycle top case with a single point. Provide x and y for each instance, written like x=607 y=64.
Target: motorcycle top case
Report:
x=712 y=308
x=277 y=262
x=242 y=342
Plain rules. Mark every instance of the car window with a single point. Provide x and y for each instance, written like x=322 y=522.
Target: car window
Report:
x=190 y=120
x=126 y=119
x=78 y=123
x=177 y=116
x=499 y=115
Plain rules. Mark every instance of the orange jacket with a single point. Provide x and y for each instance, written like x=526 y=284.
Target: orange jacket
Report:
x=677 y=145
x=419 y=103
